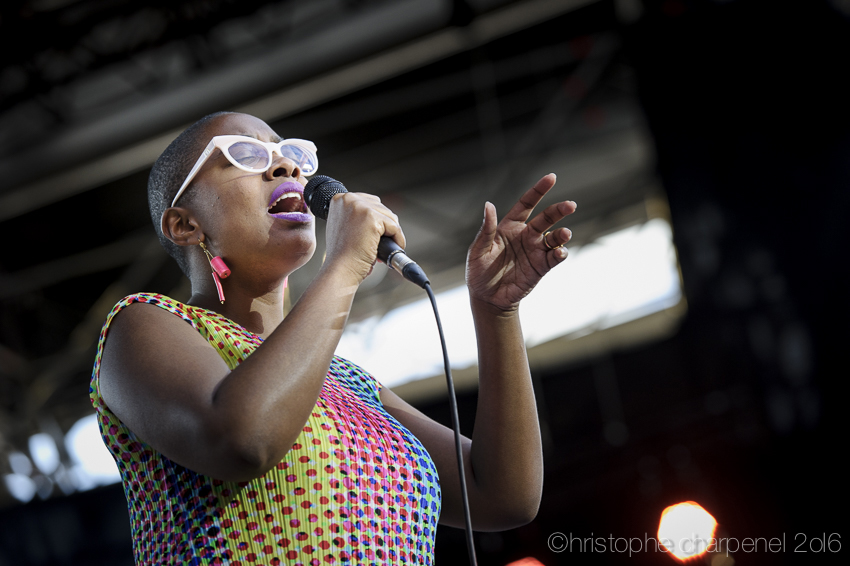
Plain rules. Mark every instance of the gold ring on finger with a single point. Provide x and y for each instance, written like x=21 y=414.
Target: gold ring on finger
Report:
x=546 y=241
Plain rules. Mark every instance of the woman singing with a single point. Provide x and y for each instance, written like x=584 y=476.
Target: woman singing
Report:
x=241 y=439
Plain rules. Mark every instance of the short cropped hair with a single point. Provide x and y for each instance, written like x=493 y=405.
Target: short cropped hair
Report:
x=168 y=173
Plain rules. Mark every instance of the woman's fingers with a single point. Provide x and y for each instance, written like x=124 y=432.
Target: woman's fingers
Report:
x=522 y=209
x=484 y=240
x=388 y=219
x=557 y=237
x=392 y=228
x=550 y=215
x=355 y=223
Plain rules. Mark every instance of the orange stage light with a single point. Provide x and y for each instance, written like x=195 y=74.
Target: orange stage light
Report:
x=686 y=530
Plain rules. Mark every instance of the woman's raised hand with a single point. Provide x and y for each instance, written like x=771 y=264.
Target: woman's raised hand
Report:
x=508 y=258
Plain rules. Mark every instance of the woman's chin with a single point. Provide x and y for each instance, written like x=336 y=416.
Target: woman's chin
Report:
x=302 y=257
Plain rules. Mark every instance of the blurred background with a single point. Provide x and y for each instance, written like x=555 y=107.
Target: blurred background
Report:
x=691 y=347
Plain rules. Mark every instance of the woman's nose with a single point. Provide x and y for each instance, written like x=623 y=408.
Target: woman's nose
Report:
x=283 y=167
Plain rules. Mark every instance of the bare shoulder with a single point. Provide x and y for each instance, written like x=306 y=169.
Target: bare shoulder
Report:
x=146 y=337
x=136 y=326
x=153 y=358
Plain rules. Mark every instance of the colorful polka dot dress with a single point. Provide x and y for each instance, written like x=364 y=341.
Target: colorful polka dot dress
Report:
x=356 y=488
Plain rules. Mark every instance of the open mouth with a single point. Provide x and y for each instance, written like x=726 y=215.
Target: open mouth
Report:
x=287 y=202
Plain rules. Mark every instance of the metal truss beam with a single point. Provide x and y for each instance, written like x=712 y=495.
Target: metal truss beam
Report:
x=216 y=90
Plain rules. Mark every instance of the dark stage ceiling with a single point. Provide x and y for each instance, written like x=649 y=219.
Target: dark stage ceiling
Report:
x=728 y=118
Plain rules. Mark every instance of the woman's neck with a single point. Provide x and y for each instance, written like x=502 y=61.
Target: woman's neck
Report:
x=257 y=314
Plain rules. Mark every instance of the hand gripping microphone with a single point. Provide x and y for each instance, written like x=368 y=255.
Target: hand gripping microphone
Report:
x=318 y=194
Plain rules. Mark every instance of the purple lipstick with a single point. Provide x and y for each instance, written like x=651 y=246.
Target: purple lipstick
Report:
x=287 y=203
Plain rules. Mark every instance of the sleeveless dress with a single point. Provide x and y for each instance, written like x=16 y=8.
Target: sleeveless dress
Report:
x=356 y=488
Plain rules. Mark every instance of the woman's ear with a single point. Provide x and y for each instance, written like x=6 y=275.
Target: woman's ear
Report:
x=180 y=226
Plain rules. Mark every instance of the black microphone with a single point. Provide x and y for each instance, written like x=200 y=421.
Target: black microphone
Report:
x=318 y=194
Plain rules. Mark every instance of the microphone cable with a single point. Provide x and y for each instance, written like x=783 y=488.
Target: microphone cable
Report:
x=470 y=544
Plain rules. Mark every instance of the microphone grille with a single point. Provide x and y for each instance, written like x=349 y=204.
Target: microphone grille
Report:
x=319 y=192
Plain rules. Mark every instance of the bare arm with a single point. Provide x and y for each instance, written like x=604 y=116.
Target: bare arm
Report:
x=503 y=460
x=503 y=463
x=166 y=383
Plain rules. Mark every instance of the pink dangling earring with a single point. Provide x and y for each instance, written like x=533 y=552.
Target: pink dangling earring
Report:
x=219 y=270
